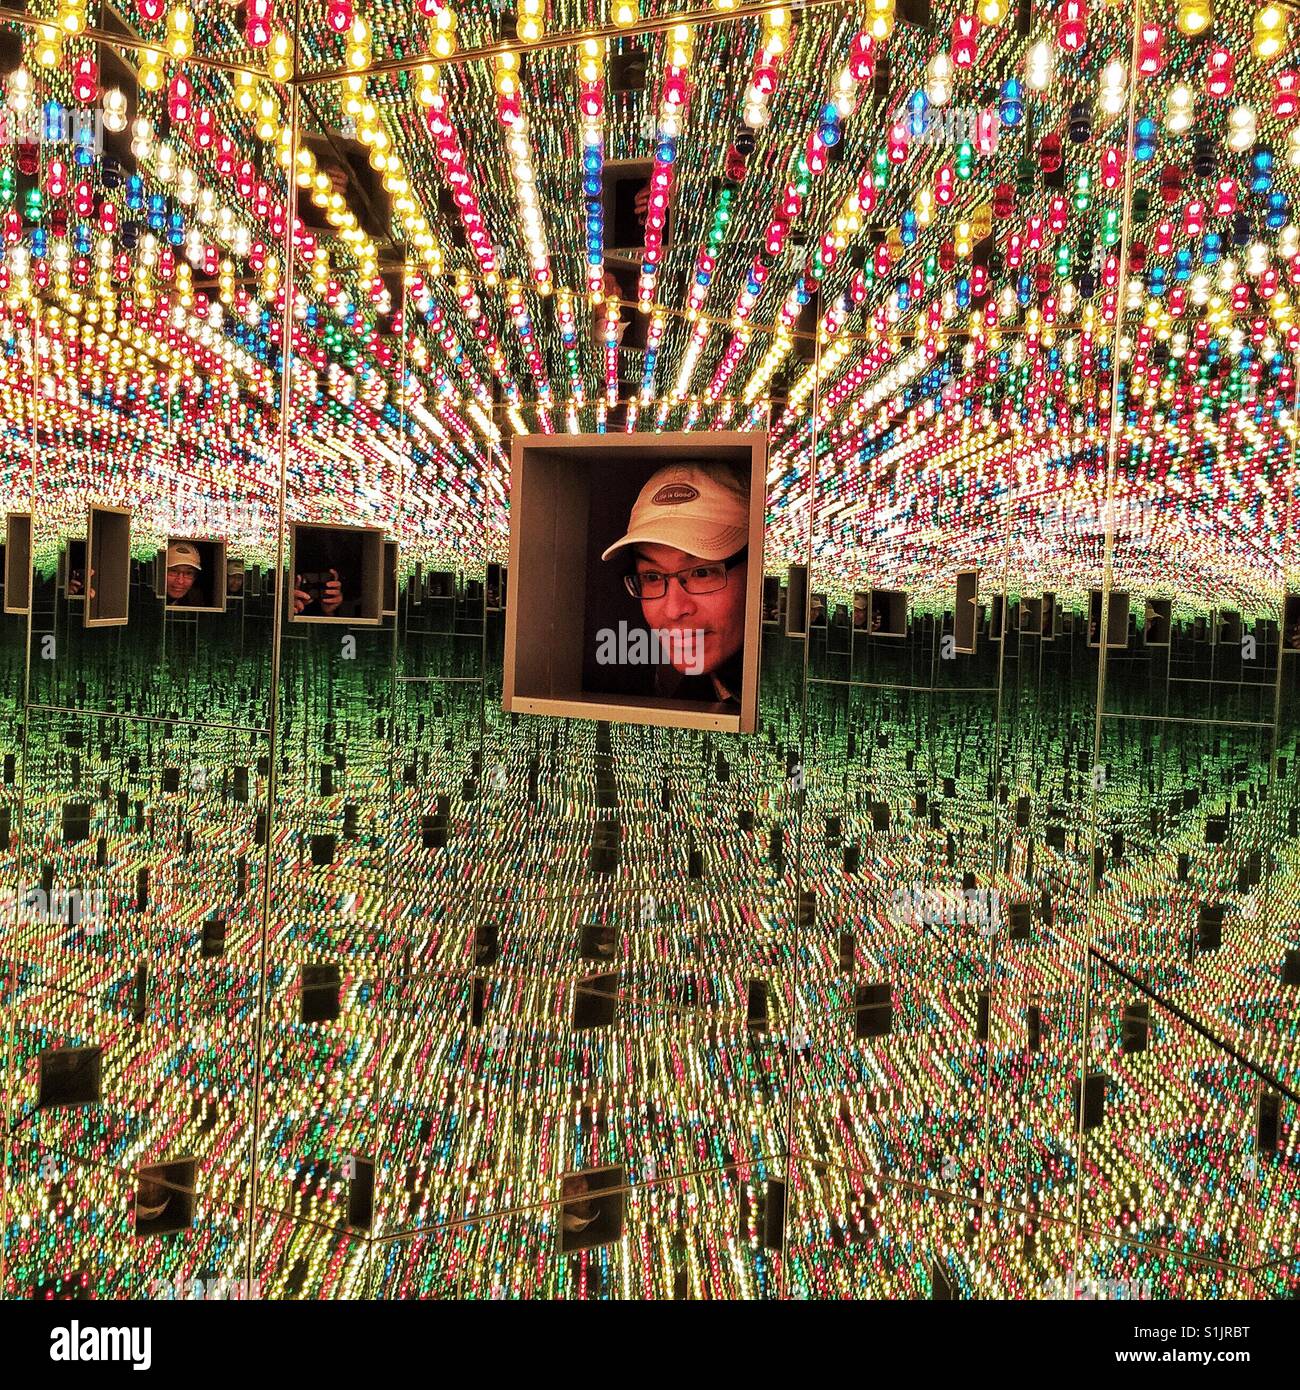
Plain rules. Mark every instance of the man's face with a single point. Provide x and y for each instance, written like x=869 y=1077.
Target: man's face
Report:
x=719 y=616
x=180 y=580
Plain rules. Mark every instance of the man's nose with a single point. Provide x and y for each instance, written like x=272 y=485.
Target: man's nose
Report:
x=677 y=602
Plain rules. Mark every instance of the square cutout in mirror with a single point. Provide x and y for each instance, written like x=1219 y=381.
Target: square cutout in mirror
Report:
x=638 y=569
x=194 y=575
x=336 y=574
x=18 y=562
x=69 y=1076
x=591 y=1211
x=164 y=1197
x=108 y=581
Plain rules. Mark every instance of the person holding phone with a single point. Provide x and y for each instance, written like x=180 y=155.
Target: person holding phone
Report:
x=319 y=594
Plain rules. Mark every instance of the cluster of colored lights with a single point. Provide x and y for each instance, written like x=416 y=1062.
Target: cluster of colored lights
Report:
x=523 y=326
x=511 y=115
x=1012 y=247
x=384 y=157
x=461 y=182
x=591 y=110
x=569 y=337
x=672 y=109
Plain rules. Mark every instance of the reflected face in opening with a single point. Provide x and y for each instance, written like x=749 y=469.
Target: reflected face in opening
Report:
x=580 y=1208
x=180 y=580
x=151 y=1197
x=719 y=616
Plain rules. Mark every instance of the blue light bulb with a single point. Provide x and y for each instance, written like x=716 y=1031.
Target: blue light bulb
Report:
x=1011 y=107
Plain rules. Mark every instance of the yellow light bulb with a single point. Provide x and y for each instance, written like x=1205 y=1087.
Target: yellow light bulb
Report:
x=427 y=90
x=245 y=91
x=1194 y=17
x=49 y=47
x=528 y=29
x=280 y=66
x=1270 y=32
x=180 y=33
x=624 y=12
x=151 y=70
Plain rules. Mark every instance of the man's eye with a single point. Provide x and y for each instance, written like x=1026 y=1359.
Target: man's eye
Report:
x=705 y=572
x=650 y=577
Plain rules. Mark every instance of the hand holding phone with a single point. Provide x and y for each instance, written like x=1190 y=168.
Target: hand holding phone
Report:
x=332 y=596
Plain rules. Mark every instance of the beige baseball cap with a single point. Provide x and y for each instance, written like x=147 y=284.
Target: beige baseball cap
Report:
x=701 y=508
x=183 y=553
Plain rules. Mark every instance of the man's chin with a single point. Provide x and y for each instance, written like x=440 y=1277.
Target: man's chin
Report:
x=698 y=664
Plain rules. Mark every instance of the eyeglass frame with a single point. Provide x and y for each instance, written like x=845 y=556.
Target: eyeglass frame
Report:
x=730 y=563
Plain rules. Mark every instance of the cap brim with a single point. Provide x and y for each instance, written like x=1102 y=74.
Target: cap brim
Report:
x=709 y=543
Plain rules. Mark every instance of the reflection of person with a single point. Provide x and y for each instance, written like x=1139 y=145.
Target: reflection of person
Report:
x=605 y=317
x=77 y=584
x=234 y=578
x=632 y=206
x=183 y=569
x=1291 y=636
x=818 y=617
x=320 y=595
x=859 y=612
x=687 y=539
x=580 y=1210
x=152 y=1198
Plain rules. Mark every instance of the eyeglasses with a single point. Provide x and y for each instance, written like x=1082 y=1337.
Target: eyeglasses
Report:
x=696 y=579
